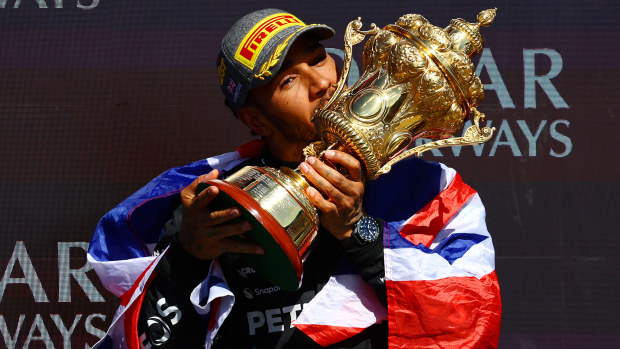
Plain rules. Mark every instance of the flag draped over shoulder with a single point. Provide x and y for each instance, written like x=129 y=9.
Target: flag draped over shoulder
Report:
x=439 y=267
x=121 y=249
x=439 y=262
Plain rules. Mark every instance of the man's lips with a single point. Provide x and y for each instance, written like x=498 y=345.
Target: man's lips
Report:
x=322 y=103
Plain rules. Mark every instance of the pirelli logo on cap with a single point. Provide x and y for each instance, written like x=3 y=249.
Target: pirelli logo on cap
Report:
x=254 y=41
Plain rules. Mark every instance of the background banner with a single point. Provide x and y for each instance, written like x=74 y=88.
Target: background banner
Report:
x=99 y=96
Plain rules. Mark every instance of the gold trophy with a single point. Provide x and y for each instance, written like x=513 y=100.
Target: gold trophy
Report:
x=418 y=81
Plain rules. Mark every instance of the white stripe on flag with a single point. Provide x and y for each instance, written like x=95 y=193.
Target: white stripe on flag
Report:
x=118 y=276
x=215 y=293
x=225 y=161
x=447 y=175
x=470 y=219
x=410 y=264
x=345 y=301
x=116 y=331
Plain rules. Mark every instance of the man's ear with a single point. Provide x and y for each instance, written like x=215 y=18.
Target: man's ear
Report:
x=255 y=120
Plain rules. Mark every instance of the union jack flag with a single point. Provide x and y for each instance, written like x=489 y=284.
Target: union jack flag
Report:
x=439 y=262
x=439 y=268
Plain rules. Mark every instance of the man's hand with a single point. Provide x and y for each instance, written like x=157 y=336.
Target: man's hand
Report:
x=343 y=206
x=205 y=233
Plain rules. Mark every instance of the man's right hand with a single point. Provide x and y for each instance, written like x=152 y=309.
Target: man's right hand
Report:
x=205 y=233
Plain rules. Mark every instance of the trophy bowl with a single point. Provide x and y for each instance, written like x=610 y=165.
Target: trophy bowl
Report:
x=283 y=220
x=418 y=81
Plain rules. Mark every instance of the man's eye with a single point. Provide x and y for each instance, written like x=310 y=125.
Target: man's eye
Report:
x=286 y=81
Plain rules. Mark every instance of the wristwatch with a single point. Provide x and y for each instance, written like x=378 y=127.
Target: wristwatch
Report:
x=366 y=229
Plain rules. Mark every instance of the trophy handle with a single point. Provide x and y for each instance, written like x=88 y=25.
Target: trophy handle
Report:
x=473 y=135
x=352 y=36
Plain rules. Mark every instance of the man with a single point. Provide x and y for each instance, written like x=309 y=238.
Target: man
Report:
x=405 y=259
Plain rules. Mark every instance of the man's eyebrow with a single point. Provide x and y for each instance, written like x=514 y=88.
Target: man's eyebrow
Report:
x=311 y=48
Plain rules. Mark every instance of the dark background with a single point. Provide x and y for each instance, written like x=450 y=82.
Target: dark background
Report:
x=95 y=102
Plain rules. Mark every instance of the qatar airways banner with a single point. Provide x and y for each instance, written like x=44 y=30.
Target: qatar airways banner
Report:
x=99 y=96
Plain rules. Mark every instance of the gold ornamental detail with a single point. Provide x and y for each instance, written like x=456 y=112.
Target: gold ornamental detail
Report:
x=352 y=36
x=473 y=135
x=418 y=81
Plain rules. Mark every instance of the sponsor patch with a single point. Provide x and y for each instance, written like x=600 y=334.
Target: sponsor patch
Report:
x=233 y=89
x=248 y=293
x=246 y=271
x=254 y=41
x=221 y=70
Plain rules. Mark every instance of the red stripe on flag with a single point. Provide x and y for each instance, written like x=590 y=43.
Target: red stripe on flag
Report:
x=251 y=149
x=133 y=313
x=126 y=297
x=424 y=225
x=326 y=335
x=455 y=312
x=213 y=313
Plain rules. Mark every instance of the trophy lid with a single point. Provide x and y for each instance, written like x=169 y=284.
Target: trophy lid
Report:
x=466 y=36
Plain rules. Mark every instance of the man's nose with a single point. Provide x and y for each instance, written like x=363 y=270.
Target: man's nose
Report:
x=319 y=83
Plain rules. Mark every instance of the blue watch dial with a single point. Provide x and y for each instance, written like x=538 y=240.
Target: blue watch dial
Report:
x=367 y=228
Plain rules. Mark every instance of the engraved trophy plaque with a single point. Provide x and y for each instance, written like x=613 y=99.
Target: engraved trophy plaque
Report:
x=418 y=81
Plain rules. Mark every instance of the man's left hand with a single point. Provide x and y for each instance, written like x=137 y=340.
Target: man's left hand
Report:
x=341 y=203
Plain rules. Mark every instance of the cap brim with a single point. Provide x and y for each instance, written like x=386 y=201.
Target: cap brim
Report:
x=319 y=31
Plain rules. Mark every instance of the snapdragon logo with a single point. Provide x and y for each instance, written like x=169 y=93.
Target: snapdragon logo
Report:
x=250 y=294
x=81 y=4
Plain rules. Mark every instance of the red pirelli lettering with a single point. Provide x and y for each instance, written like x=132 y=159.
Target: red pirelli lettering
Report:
x=256 y=37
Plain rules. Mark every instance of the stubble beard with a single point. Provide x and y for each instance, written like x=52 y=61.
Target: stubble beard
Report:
x=306 y=133
x=299 y=134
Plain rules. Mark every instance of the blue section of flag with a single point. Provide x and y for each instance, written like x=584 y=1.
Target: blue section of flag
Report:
x=106 y=343
x=204 y=291
x=418 y=183
x=455 y=246
x=451 y=248
x=117 y=237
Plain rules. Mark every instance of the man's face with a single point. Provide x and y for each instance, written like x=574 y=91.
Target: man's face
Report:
x=303 y=84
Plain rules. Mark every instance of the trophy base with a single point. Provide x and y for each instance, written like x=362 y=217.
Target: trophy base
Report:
x=281 y=264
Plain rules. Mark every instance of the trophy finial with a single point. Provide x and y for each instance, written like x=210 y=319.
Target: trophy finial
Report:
x=486 y=17
x=466 y=36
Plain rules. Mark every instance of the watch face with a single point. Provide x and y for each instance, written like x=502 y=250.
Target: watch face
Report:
x=367 y=229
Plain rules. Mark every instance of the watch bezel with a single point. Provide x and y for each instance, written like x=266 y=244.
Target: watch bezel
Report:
x=366 y=229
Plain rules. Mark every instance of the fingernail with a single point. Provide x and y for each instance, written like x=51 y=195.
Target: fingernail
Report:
x=246 y=226
x=260 y=250
x=311 y=191
x=303 y=167
x=235 y=212
x=311 y=160
x=330 y=153
x=211 y=190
